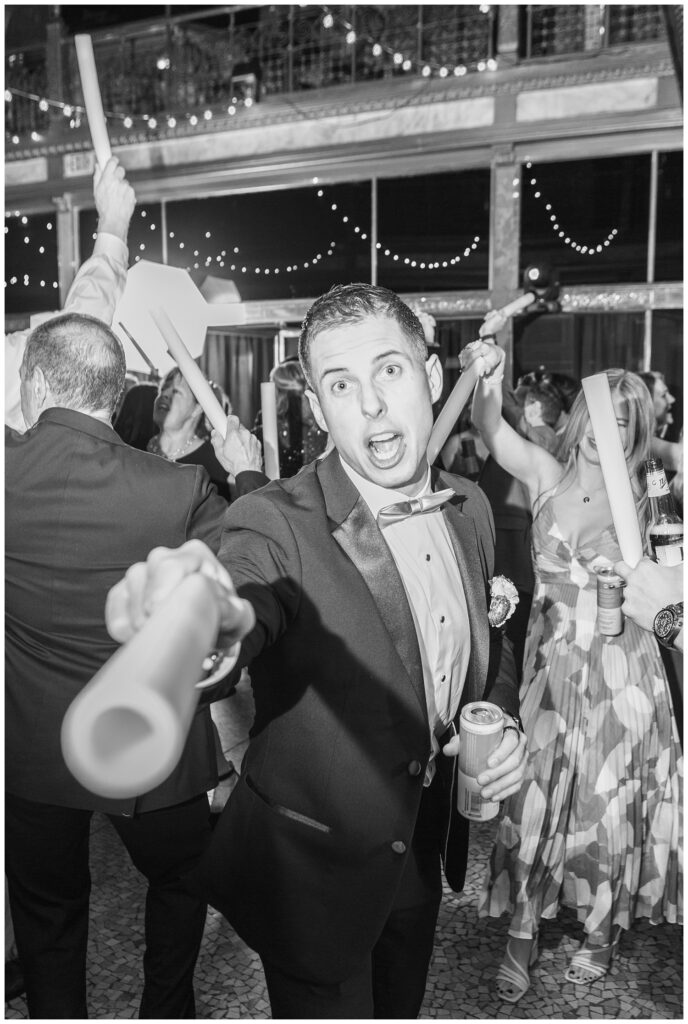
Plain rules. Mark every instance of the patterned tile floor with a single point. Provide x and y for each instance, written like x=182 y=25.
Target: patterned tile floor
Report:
x=644 y=983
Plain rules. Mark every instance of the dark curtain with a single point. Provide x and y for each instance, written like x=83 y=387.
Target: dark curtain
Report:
x=667 y=358
x=239 y=362
x=606 y=340
x=578 y=344
x=452 y=336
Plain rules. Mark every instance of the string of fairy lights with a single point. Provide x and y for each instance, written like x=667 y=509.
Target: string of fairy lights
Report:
x=74 y=112
x=232 y=258
x=559 y=231
x=234 y=261
x=150 y=122
x=395 y=256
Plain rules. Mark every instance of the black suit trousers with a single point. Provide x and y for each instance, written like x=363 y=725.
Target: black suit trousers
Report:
x=49 y=883
x=390 y=985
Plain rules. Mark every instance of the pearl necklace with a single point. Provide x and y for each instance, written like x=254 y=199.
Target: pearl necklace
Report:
x=180 y=451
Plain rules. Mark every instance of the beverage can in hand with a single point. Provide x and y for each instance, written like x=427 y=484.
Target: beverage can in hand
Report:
x=610 y=618
x=481 y=727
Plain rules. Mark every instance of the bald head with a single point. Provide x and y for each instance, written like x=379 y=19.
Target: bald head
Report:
x=73 y=361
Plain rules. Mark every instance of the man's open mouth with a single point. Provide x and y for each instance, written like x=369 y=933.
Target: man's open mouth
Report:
x=385 y=447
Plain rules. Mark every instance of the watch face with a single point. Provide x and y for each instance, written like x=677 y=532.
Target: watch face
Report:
x=664 y=622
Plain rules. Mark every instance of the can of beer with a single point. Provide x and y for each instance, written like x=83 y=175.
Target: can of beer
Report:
x=480 y=729
x=610 y=618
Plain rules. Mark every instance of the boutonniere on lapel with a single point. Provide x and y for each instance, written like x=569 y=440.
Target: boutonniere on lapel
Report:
x=503 y=601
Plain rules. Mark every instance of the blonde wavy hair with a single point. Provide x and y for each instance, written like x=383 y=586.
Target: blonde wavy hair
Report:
x=638 y=444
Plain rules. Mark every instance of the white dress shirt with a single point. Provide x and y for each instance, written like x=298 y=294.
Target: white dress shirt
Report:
x=424 y=555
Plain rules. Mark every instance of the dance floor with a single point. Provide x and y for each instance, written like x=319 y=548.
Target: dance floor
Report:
x=645 y=981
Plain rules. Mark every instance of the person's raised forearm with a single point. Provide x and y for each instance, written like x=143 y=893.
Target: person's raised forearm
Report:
x=487 y=398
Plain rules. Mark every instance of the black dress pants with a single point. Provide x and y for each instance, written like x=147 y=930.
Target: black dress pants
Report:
x=390 y=985
x=46 y=862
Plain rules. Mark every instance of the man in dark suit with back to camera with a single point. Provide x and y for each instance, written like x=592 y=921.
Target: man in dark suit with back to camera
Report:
x=80 y=506
x=366 y=630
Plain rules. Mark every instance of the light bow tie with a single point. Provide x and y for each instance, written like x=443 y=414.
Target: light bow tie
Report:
x=401 y=510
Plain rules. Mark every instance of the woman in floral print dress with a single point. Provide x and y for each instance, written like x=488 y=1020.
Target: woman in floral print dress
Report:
x=597 y=824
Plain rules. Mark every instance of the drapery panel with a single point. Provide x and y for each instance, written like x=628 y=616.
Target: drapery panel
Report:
x=238 y=361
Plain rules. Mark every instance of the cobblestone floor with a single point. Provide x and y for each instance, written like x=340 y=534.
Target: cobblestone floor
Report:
x=644 y=983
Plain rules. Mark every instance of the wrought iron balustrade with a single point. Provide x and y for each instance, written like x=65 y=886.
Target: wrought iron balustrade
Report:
x=195 y=62
x=186 y=65
x=558 y=29
x=25 y=71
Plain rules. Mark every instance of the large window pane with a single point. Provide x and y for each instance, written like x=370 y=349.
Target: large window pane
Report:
x=669 y=251
x=588 y=218
x=433 y=231
x=31 y=280
x=145 y=233
x=294 y=243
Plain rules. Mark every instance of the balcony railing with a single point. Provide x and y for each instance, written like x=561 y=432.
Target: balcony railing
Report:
x=216 y=56
x=558 y=30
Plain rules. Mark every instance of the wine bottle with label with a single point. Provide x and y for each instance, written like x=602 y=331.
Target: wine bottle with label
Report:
x=666 y=527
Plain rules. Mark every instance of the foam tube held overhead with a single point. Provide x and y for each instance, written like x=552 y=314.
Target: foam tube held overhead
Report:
x=462 y=390
x=92 y=99
x=191 y=371
x=268 y=410
x=613 y=465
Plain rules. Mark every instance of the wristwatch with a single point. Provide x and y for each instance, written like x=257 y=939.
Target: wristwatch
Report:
x=668 y=624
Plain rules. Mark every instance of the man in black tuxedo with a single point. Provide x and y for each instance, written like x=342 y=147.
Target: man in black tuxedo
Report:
x=366 y=630
x=80 y=506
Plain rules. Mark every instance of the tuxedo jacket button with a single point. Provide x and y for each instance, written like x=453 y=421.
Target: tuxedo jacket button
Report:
x=415 y=768
x=398 y=846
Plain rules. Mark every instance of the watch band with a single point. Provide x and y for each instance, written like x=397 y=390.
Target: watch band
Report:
x=512 y=721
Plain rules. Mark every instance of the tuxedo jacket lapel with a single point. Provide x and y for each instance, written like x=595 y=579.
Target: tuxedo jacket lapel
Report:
x=356 y=532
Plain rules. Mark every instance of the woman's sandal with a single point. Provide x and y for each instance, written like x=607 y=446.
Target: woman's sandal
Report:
x=591 y=962
x=511 y=979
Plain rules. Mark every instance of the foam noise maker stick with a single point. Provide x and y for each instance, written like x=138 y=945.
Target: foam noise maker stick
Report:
x=190 y=371
x=92 y=100
x=462 y=390
x=268 y=410
x=125 y=732
x=613 y=465
x=497 y=319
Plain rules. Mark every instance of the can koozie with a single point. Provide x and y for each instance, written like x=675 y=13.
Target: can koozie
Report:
x=481 y=727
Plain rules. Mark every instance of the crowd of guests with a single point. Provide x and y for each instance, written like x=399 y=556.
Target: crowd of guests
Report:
x=356 y=591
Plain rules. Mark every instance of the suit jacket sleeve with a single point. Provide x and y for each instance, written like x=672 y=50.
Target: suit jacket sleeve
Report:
x=249 y=480
x=502 y=679
x=206 y=512
x=259 y=551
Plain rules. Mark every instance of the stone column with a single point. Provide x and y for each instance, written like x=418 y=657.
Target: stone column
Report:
x=505 y=209
x=507 y=35
x=54 y=68
x=67 y=243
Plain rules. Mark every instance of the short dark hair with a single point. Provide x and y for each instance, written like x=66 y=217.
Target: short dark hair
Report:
x=549 y=399
x=351 y=304
x=650 y=378
x=567 y=387
x=81 y=359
